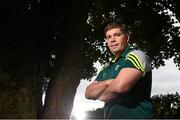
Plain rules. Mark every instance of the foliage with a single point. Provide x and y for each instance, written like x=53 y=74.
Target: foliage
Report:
x=151 y=26
x=167 y=106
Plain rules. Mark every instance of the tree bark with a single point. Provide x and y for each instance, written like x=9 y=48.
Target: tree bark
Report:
x=18 y=63
x=62 y=89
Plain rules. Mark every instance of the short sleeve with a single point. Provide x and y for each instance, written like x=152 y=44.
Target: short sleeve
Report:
x=139 y=60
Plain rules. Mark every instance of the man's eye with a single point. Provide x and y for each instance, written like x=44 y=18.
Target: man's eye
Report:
x=119 y=34
x=108 y=37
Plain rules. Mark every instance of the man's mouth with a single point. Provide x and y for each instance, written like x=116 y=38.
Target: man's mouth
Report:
x=114 y=45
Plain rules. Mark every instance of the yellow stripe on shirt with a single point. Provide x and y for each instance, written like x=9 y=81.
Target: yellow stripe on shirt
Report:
x=135 y=60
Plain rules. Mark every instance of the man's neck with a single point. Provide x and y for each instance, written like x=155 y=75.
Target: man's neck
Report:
x=117 y=55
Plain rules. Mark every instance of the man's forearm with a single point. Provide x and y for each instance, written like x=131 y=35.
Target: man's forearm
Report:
x=107 y=95
x=95 y=90
x=123 y=83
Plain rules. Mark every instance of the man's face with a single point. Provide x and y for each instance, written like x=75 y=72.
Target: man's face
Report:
x=117 y=41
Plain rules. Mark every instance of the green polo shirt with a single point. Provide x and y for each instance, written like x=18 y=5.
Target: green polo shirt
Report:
x=136 y=103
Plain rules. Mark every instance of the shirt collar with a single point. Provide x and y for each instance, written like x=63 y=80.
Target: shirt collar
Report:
x=122 y=55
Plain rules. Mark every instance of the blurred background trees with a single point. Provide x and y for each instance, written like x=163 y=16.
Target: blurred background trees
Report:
x=167 y=106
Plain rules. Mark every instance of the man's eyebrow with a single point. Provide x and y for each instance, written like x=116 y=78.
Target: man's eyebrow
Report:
x=108 y=35
x=117 y=33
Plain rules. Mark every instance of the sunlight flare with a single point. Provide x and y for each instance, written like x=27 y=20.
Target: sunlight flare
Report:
x=79 y=114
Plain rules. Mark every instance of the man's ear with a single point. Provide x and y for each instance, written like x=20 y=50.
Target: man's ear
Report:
x=128 y=37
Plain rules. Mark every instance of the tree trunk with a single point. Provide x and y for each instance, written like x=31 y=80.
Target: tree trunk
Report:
x=18 y=86
x=18 y=63
x=62 y=89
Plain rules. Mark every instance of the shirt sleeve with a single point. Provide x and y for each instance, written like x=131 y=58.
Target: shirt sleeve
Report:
x=139 y=60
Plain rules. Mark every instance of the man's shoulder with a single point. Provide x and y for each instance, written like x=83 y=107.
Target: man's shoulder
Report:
x=139 y=54
x=139 y=58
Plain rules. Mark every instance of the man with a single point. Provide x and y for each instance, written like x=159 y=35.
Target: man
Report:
x=125 y=83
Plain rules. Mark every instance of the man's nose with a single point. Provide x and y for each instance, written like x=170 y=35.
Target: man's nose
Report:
x=113 y=39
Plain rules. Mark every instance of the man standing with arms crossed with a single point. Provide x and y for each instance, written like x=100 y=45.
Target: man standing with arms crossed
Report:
x=125 y=83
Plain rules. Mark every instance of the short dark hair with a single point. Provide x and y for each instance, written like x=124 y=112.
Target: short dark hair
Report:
x=116 y=24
